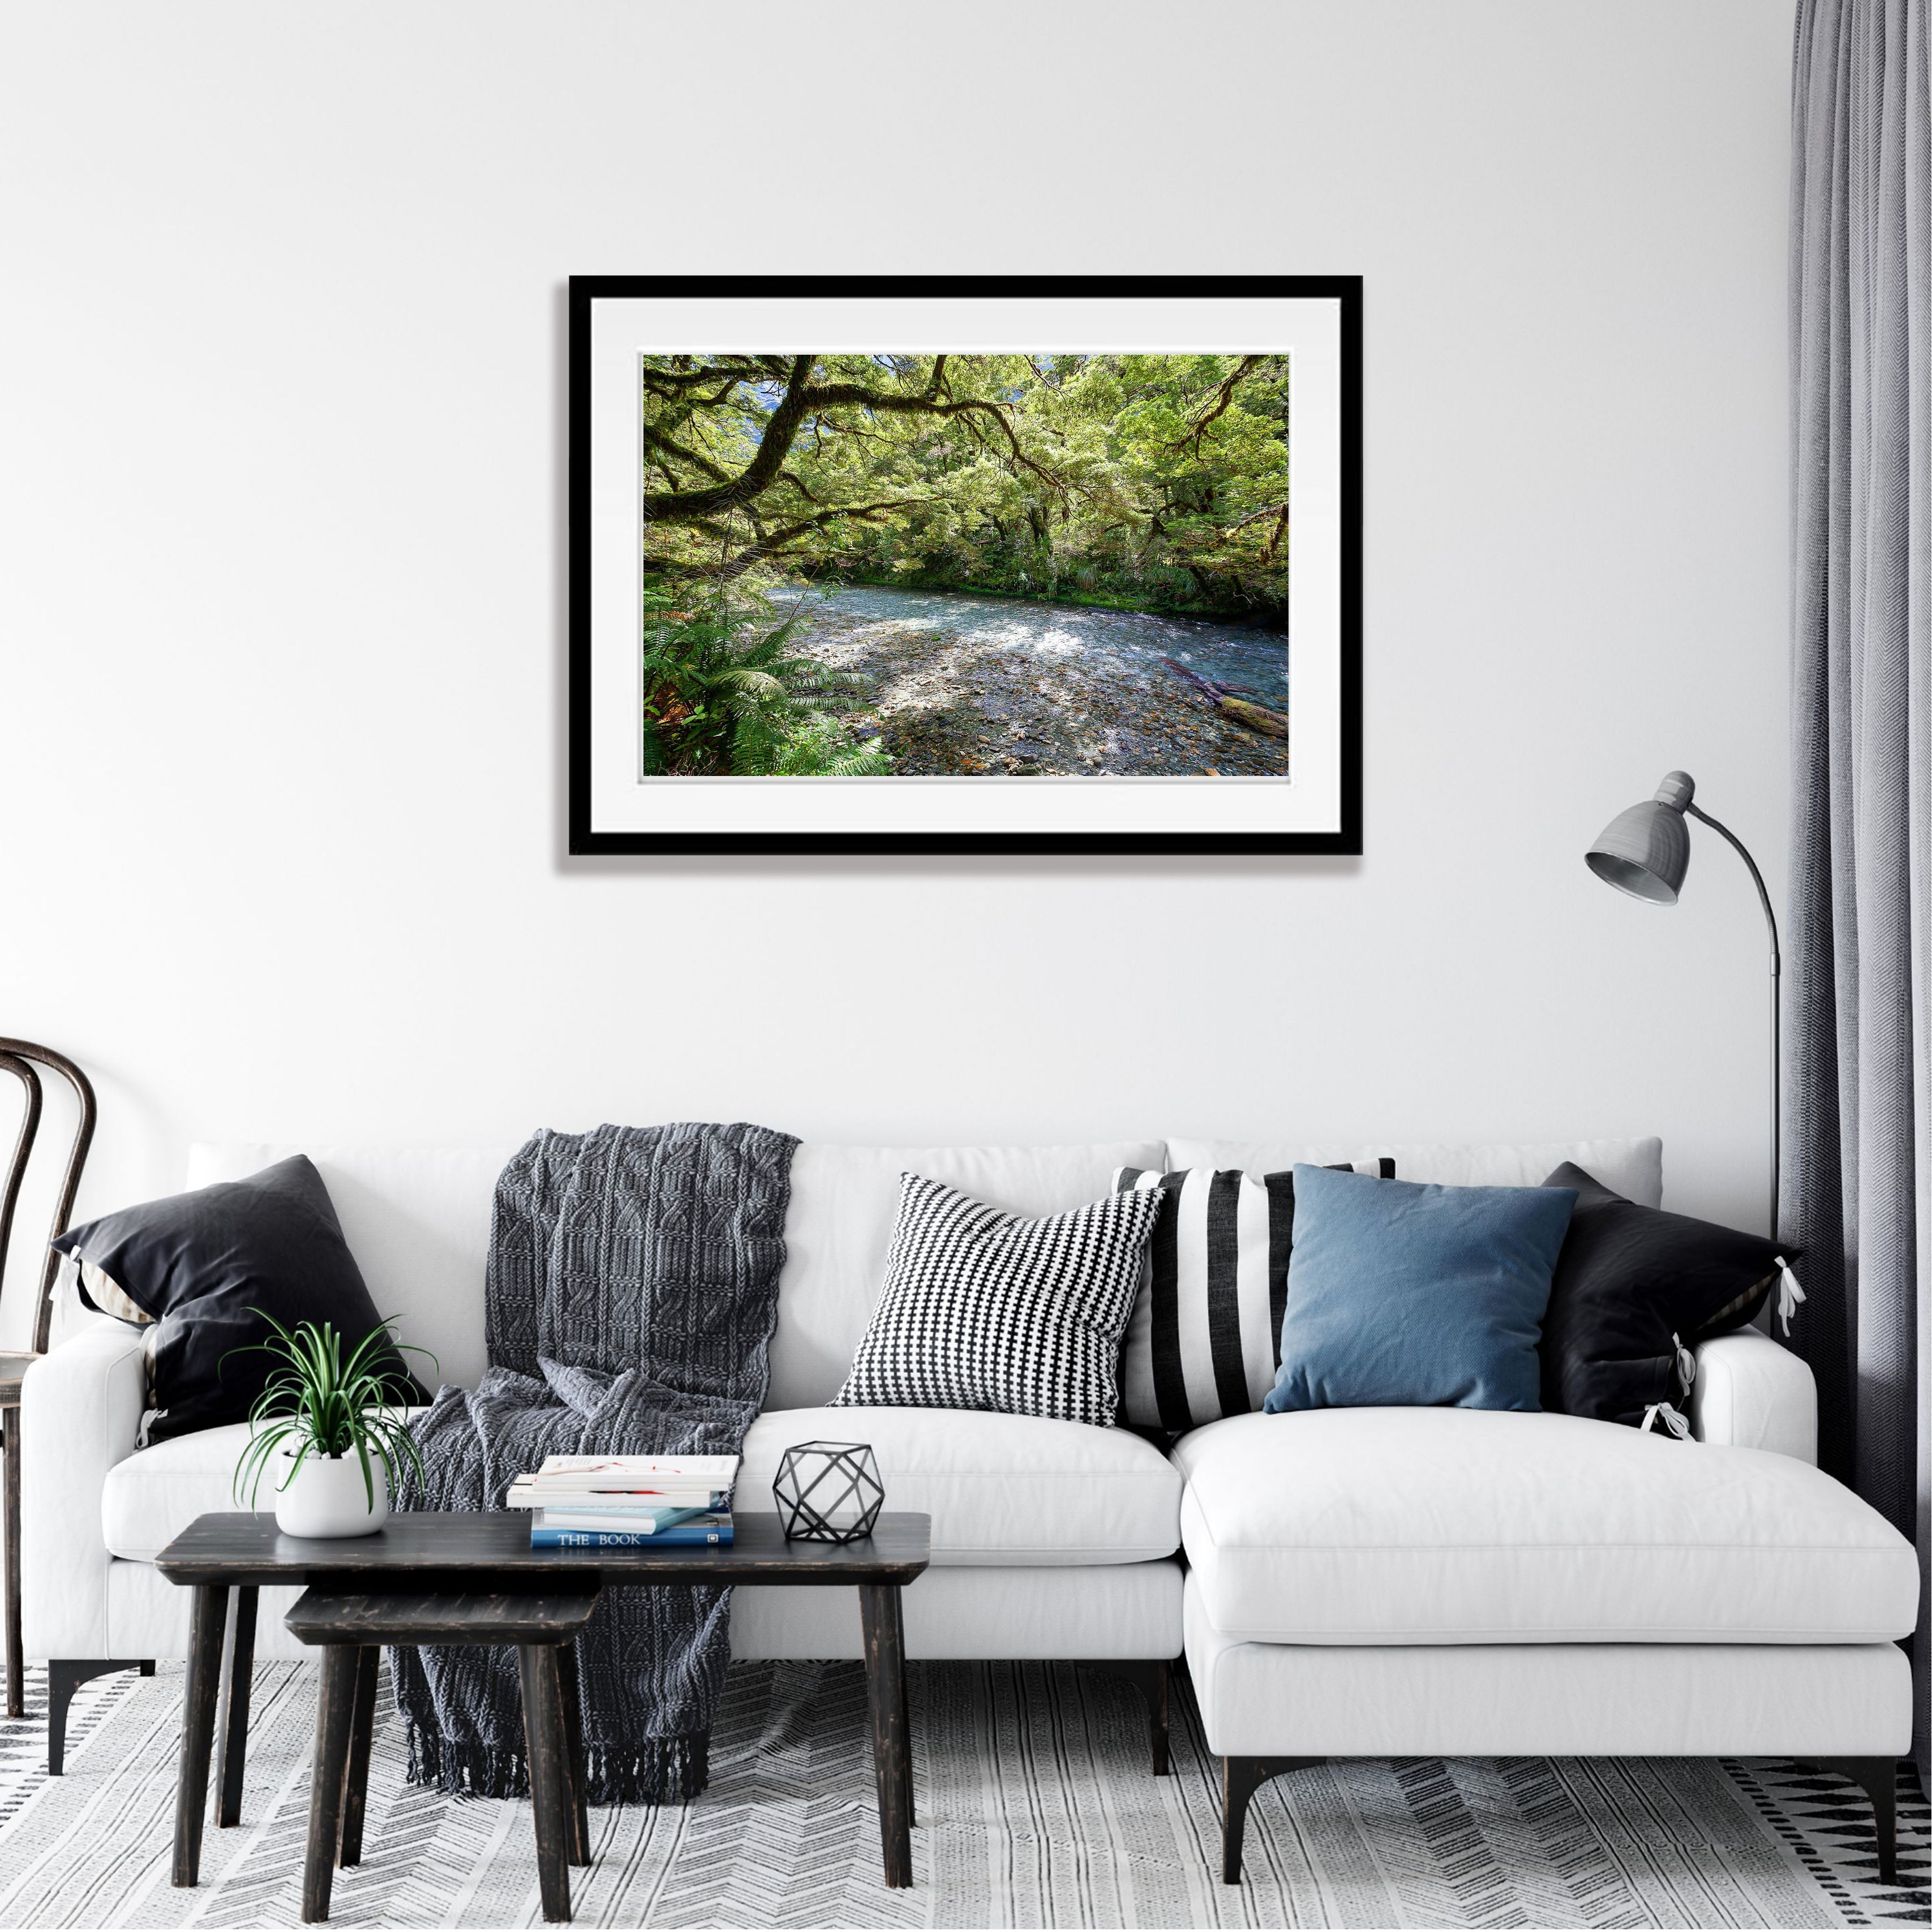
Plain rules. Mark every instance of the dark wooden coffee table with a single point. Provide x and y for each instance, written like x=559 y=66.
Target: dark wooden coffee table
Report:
x=491 y=1551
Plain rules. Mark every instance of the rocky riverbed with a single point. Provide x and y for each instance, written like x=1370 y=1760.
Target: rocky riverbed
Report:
x=949 y=684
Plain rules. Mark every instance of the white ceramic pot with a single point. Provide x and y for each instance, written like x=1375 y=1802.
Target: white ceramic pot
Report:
x=325 y=1497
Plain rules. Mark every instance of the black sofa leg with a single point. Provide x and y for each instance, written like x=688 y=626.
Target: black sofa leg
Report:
x=1241 y=1777
x=65 y=1676
x=1153 y=1680
x=1878 y=1778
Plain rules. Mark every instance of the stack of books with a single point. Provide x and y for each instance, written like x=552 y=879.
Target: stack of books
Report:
x=627 y=1502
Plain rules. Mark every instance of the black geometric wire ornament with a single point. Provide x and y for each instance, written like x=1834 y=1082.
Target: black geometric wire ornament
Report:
x=829 y=1492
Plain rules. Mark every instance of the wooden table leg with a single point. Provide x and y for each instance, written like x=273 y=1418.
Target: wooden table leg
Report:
x=231 y=1730
x=335 y=1717
x=573 y=1746
x=550 y=1794
x=905 y=1712
x=355 y=1773
x=885 y=1693
x=206 y=1631
x=16 y=1663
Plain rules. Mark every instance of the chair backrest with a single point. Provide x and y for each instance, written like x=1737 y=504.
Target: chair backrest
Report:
x=20 y=1057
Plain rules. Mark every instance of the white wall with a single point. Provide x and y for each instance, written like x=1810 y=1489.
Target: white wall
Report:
x=281 y=603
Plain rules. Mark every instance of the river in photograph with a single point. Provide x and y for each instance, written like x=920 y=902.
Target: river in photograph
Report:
x=951 y=683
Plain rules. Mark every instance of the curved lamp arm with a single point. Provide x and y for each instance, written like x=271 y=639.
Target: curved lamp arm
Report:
x=1737 y=845
x=1757 y=878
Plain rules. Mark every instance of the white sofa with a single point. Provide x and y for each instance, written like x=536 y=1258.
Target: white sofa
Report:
x=1366 y=1582
x=1050 y=1539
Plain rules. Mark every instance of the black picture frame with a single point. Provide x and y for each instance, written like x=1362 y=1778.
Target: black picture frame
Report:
x=1345 y=838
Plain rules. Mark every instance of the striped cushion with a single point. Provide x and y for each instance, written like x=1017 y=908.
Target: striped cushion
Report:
x=1203 y=1340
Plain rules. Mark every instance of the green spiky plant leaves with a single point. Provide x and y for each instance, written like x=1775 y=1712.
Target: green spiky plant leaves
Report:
x=723 y=696
x=820 y=749
x=317 y=1403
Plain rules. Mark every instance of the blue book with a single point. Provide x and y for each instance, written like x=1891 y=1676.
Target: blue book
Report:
x=683 y=1533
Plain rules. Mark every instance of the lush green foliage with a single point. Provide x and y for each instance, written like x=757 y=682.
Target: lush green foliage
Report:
x=1152 y=481
x=723 y=695
x=317 y=1404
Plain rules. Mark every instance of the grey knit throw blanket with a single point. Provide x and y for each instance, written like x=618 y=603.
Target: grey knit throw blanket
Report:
x=632 y=1290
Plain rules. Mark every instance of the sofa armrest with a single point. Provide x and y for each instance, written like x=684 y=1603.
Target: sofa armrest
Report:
x=80 y=1414
x=1752 y=1392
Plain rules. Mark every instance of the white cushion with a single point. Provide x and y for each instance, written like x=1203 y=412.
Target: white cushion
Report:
x=1633 y=1169
x=1453 y=1525
x=152 y=1495
x=1000 y=1489
x=1546 y=1699
x=839 y=1225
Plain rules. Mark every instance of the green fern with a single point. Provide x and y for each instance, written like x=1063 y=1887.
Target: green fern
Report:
x=814 y=751
x=719 y=698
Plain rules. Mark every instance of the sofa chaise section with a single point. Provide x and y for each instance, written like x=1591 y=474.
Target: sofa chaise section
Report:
x=1475 y=1526
x=1445 y=1582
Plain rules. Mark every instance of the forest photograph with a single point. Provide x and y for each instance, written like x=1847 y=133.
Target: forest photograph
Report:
x=1042 y=565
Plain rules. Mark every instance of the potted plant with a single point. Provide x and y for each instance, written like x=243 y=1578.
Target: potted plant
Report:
x=327 y=1430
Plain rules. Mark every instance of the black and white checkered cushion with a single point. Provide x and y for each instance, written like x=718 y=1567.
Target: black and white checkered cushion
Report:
x=1204 y=1339
x=983 y=1309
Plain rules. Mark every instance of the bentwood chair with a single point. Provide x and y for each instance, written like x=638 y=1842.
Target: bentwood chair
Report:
x=21 y=1057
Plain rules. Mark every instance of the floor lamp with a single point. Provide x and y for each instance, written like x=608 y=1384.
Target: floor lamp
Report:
x=1646 y=851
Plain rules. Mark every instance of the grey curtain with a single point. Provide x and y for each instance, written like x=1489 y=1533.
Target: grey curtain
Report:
x=1858 y=1131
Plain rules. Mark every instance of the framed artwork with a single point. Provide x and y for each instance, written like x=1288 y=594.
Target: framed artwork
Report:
x=965 y=564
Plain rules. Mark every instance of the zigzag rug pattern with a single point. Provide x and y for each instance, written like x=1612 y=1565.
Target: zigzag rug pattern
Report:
x=1034 y=1804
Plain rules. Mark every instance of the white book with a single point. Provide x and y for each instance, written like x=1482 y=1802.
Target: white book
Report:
x=615 y=1502
x=577 y=1486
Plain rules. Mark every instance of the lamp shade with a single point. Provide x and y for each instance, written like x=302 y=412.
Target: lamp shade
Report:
x=1646 y=851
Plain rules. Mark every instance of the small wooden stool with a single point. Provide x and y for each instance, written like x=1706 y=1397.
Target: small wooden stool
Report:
x=350 y=1626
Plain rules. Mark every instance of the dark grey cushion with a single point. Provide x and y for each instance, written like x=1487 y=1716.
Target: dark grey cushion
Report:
x=207 y=1264
x=1632 y=1284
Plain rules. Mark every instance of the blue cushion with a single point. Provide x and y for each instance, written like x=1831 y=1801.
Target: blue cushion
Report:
x=1403 y=1295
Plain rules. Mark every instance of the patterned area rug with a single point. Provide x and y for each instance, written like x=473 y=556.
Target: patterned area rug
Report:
x=1035 y=1808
